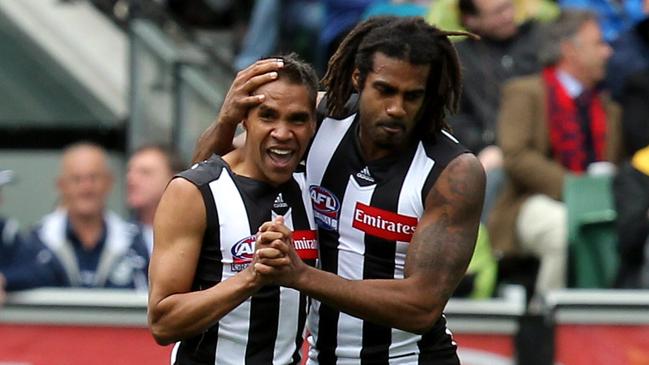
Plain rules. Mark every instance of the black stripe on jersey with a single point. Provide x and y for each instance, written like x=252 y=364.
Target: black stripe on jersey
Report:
x=210 y=266
x=436 y=346
x=264 y=305
x=201 y=349
x=444 y=150
x=379 y=261
x=198 y=350
x=328 y=240
x=264 y=321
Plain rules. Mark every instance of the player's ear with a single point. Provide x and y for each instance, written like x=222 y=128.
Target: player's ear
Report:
x=356 y=75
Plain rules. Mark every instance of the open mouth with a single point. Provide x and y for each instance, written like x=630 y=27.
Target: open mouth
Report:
x=281 y=157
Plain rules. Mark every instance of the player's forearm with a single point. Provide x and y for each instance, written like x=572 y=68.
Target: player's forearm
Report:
x=217 y=138
x=401 y=304
x=184 y=315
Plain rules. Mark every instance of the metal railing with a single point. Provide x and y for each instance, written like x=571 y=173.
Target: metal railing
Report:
x=175 y=92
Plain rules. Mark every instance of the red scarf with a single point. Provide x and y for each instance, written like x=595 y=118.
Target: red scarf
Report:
x=566 y=136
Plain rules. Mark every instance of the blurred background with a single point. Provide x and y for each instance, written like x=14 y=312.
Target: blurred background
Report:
x=123 y=74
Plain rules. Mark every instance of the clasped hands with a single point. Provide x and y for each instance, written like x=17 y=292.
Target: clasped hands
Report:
x=275 y=260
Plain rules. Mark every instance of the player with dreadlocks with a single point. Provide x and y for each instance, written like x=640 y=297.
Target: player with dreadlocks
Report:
x=396 y=198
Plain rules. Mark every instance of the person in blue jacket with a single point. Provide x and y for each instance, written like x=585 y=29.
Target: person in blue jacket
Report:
x=81 y=243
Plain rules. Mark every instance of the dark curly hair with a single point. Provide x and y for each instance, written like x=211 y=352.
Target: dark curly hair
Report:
x=297 y=71
x=405 y=38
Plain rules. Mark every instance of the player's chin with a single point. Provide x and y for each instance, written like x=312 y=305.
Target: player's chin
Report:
x=281 y=172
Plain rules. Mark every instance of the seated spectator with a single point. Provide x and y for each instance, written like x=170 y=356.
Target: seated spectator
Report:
x=552 y=124
x=9 y=237
x=505 y=50
x=149 y=170
x=630 y=54
x=82 y=244
x=631 y=192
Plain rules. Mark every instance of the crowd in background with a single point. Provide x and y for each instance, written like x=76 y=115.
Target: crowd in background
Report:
x=549 y=92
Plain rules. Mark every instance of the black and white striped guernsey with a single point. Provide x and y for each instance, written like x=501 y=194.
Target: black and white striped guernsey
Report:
x=268 y=327
x=367 y=214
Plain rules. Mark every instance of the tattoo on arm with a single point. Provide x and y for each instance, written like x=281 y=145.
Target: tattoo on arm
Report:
x=446 y=235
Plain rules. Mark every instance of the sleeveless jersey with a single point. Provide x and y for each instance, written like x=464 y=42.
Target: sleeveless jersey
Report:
x=267 y=328
x=367 y=214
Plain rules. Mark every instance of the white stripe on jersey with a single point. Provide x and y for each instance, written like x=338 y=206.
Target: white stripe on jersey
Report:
x=450 y=136
x=300 y=178
x=404 y=342
x=289 y=307
x=233 y=327
x=325 y=144
x=312 y=325
x=412 y=205
x=351 y=251
x=174 y=353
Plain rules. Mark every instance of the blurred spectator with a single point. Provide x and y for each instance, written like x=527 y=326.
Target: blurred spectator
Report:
x=631 y=54
x=631 y=192
x=340 y=16
x=83 y=244
x=446 y=13
x=278 y=24
x=553 y=124
x=149 y=170
x=614 y=16
x=9 y=238
x=505 y=50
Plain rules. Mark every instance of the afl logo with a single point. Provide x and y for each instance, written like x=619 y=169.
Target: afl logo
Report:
x=243 y=251
x=326 y=207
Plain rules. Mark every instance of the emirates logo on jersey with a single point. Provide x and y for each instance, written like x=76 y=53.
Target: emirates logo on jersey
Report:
x=306 y=244
x=383 y=223
x=326 y=207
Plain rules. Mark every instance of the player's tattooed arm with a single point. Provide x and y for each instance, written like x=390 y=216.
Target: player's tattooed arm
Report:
x=445 y=238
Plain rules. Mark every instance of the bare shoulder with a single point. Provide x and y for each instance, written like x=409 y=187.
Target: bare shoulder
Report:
x=462 y=181
x=182 y=189
x=181 y=202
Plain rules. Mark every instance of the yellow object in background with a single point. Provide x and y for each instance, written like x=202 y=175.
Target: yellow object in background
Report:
x=446 y=14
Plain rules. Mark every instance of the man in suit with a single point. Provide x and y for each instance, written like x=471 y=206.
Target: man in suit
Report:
x=553 y=124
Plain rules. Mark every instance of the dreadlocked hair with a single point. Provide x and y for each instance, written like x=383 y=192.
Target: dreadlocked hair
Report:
x=409 y=39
